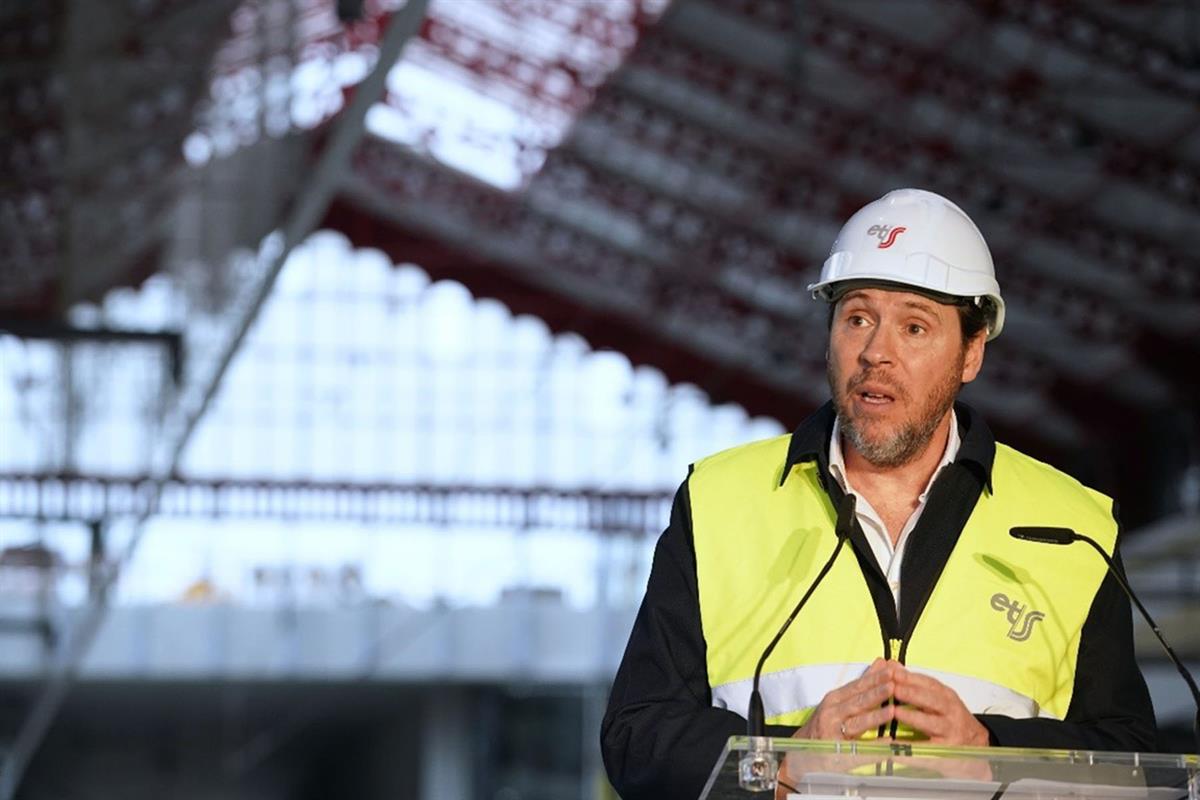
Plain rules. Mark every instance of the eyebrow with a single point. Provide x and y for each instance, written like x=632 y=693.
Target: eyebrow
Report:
x=921 y=306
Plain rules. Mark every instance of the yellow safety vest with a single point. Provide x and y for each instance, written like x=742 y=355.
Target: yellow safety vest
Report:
x=1001 y=627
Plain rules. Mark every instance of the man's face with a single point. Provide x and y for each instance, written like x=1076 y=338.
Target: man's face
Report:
x=896 y=363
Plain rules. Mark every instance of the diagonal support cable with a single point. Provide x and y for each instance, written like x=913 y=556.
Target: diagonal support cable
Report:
x=306 y=213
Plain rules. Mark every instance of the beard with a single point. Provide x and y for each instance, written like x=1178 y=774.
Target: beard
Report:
x=895 y=446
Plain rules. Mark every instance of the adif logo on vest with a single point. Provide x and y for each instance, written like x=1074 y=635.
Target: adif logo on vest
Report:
x=1020 y=622
x=886 y=234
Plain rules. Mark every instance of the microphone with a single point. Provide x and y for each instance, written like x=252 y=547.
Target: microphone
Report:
x=1047 y=535
x=755 y=717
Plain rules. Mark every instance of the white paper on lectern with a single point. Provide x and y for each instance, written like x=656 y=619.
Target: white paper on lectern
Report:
x=1036 y=788
x=821 y=785
x=834 y=786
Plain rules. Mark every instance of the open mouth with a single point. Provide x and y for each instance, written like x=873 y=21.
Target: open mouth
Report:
x=875 y=393
x=875 y=398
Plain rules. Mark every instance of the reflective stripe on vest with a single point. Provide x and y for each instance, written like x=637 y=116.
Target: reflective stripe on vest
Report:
x=1003 y=620
x=789 y=695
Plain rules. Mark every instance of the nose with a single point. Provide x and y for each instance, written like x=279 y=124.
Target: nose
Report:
x=879 y=347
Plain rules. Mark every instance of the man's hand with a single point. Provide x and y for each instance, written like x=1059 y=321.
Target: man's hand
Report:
x=936 y=710
x=851 y=710
x=845 y=713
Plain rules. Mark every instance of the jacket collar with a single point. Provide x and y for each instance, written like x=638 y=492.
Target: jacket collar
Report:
x=810 y=442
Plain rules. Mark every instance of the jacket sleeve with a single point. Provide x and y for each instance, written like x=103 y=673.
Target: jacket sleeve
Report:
x=661 y=735
x=1110 y=705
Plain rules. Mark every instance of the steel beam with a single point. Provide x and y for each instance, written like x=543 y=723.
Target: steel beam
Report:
x=1079 y=28
x=1014 y=104
x=554 y=244
x=1170 y=265
x=51 y=330
x=86 y=498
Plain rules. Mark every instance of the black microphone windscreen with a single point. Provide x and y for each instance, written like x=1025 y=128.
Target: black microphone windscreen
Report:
x=845 y=518
x=1044 y=534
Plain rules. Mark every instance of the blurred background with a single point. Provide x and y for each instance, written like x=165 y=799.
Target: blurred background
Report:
x=350 y=352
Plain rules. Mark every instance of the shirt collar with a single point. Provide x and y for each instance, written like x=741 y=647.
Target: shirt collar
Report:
x=837 y=459
x=810 y=441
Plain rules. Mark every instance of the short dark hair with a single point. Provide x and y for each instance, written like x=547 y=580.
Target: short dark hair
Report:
x=972 y=316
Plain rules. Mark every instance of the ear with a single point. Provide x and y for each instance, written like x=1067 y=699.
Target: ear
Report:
x=973 y=358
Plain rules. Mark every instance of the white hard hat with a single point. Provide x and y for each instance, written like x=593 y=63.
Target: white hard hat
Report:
x=918 y=239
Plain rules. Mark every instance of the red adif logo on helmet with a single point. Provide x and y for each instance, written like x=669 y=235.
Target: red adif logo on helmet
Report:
x=886 y=234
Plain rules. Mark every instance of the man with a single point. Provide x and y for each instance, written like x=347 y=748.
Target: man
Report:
x=933 y=623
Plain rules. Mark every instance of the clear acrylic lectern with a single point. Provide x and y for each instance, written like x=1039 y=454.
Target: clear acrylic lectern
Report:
x=821 y=770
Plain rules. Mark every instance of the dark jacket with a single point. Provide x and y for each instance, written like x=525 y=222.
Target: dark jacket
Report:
x=661 y=736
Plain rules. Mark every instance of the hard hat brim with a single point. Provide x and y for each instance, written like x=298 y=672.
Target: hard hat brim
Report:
x=993 y=306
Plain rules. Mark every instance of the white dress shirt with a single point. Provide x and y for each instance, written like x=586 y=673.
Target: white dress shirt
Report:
x=889 y=557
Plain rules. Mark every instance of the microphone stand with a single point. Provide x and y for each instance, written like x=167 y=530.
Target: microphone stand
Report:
x=1064 y=536
x=758 y=767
